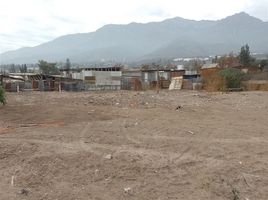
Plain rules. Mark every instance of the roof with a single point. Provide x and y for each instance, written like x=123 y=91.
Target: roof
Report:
x=102 y=69
x=131 y=70
x=22 y=74
x=208 y=66
x=12 y=77
x=94 y=69
x=163 y=70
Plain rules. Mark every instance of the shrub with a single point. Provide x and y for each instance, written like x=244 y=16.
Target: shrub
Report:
x=232 y=77
x=2 y=96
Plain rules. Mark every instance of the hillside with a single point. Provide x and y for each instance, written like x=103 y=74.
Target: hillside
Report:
x=176 y=37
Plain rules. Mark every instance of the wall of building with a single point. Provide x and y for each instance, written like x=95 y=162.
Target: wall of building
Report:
x=131 y=80
x=102 y=78
x=77 y=75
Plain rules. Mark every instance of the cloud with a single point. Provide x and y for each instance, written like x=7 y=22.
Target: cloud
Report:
x=31 y=22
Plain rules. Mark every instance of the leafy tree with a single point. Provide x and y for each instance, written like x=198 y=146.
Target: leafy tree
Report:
x=215 y=59
x=12 y=68
x=145 y=66
x=232 y=77
x=67 y=67
x=228 y=60
x=2 y=96
x=68 y=64
x=23 y=68
x=244 y=56
x=48 y=68
x=194 y=65
x=263 y=63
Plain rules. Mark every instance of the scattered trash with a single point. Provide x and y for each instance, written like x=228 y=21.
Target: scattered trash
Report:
x=126 y=125
x=24 y=191
x=178 y=107
x=12 y=180
x=28 y=125
x=128 y=189
x=109 y=156
x=240 y=162
x=191 y=132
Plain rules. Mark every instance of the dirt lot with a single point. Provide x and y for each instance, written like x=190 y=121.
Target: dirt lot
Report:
x=134 y=145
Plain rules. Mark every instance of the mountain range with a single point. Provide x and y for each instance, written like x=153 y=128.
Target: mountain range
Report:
x=171 y=38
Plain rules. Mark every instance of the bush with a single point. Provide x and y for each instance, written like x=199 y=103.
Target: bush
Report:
x=232 y=77
x=2 y=96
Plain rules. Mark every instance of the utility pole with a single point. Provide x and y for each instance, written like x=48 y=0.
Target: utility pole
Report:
x=158 y=85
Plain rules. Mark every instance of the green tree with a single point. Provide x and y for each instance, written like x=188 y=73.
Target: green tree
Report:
x=263 y=64
x=194 y=65
x=68 y=64
x=215 y=59
x=2 y=96
x=23 y=68
x=232 y=77
x=12 y=68
x=244 y=56
x=48 y=68
x=67 y=67
x=228 y=60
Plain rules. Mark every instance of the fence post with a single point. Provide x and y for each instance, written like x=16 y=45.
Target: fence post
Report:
x=60 y=87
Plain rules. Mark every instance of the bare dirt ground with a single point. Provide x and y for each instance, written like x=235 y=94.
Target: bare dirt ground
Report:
x=134 y=145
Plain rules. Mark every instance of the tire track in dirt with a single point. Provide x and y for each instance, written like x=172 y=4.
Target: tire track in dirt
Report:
x=76 y=147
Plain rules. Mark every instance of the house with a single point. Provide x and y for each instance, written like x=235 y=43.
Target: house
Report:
x=151 y=77
x=192 y=79
x=97 y=78
x=15 y=82
x=131 y=79
x=11 y=83
x=36 y=82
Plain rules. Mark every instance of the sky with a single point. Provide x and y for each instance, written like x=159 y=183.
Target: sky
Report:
x=26 y=23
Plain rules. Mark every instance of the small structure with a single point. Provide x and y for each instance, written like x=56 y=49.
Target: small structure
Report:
x=152 y=77
x=11 y=83
x=100 y=78
x=191 y=80
x=16 y=82
x=131 y=79
x=176 y=83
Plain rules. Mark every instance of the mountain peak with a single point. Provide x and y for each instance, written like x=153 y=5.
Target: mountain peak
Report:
x=242 y=16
